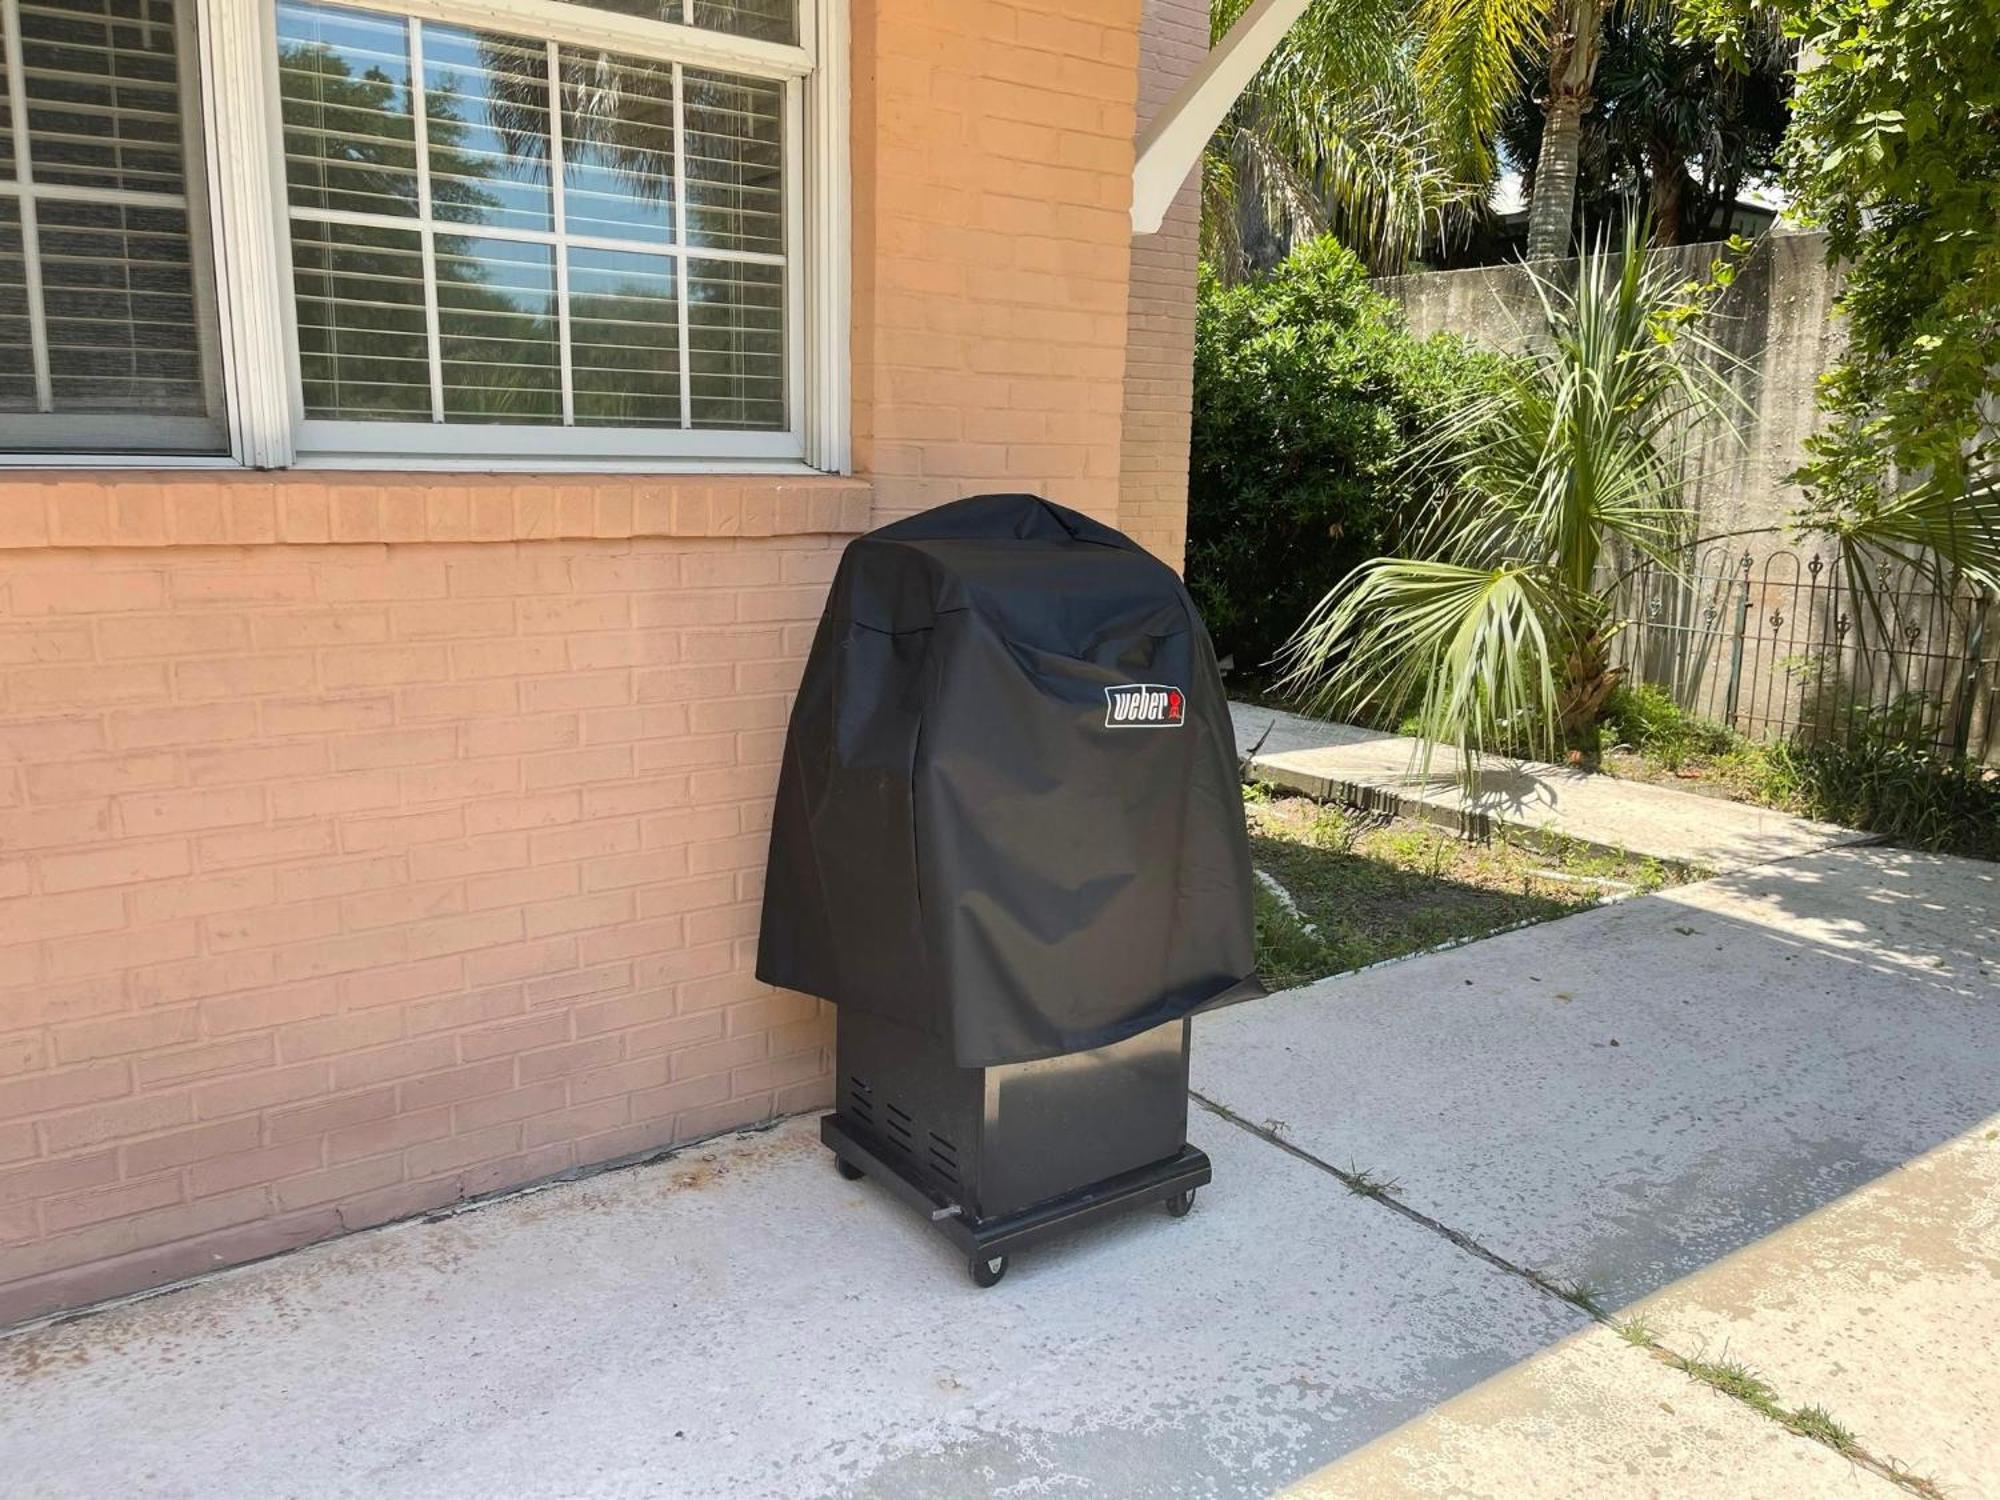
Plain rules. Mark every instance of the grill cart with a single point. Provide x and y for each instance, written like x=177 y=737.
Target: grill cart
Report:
x=1009 y=846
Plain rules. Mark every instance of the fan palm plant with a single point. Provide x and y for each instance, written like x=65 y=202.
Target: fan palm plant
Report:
x=1492 y=630
x=1334 y=135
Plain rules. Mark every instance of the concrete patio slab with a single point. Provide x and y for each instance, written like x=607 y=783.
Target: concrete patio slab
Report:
x=1629 y=1094
x=1593 y=1417
x=1345 y=762
x=1623 y=1098
x=739 y=1321
x=1884 y=1305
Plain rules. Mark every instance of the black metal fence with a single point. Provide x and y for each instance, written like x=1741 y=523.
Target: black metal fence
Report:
x=1778 y=644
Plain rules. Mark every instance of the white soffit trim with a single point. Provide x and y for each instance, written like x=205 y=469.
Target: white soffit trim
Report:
x=1172 y=143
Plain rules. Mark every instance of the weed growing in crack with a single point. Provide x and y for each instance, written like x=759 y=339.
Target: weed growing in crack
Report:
x=1366 y=1185
x=1583 y=1295
x=1818 y=1423
x=1636 y=1332
x=1734 y=1378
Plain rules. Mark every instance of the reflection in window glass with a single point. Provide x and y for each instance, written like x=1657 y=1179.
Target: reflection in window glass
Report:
x=736 y=343
x=625 y=342
x=766 y=20
x=363 y=351
x=438 y=295
x=735 y=162
x=618 y=148
x=350 y=132
x=486 y=116
x=497 y=331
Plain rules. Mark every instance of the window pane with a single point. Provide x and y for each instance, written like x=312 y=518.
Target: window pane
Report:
x=350 y=137
x=17 y=359
x=103 y=100
x=459 y=317
x=624 y=322
x=768 y=20
x=363 y=355
x=118 y=286
x=618 y=147
x=736 y=344
x=114 y=349
x=735 y=162
x=486 y=109
x=497 y=331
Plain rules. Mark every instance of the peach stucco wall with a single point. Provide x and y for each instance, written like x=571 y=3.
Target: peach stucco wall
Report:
x=372 y=841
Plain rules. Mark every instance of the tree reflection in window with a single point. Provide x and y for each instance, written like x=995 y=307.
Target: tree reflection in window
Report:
x=432 y=289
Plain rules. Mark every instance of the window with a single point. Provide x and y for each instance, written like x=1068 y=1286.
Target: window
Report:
x=446 y=231
x=107 y=331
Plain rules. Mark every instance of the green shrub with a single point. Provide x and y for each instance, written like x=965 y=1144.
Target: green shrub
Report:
x=1646 y=718
x=1887 y=778
x=1308 y=391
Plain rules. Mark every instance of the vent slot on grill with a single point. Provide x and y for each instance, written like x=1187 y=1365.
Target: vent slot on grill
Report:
x=860 y=1100
x=944 y=1158
x=901 y=1135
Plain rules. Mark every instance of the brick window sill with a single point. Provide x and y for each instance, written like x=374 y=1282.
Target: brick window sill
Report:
x=169 y=508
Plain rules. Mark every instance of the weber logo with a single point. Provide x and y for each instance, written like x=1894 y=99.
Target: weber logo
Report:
x=1144 y=705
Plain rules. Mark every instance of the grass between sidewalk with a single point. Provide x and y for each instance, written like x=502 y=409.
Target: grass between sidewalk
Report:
x=1360 y=888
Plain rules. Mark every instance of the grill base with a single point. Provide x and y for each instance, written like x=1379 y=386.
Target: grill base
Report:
x=1001 y=1157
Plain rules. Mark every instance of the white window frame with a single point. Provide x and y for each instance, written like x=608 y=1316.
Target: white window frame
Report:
x=251 y=235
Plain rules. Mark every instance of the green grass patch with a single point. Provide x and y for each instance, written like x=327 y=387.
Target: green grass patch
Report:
x=1369 y=888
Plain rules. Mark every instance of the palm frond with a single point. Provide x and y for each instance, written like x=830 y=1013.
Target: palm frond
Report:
x=1335 y=118
x=1474 y=59
x=1221 y=223
x=1471 y=651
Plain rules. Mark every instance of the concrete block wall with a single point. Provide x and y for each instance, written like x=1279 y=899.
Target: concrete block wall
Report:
x=1159 y=369
x=370 y=841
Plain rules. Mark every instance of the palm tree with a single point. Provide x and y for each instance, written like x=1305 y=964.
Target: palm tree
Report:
x=1477 y=53
x=1674 y=129
x=1494 y=629
x=1335 y=134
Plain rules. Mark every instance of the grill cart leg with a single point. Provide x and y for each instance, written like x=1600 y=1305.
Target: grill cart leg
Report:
x=848 y=1170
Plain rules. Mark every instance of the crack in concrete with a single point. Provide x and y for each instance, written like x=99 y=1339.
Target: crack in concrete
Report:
x=1362 y=1185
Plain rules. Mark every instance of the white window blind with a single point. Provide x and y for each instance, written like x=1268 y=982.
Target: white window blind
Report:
x=106 y=324
x=493 y=231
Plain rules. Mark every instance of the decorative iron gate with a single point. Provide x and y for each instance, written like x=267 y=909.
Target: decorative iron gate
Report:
x=1782 y=646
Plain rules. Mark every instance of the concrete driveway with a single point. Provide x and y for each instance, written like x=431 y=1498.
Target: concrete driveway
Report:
x=1759 y=1114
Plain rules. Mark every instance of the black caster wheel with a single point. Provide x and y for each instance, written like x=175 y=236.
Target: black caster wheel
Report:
x=1180 y=1203
x=987 y=1270
x=847 y=1169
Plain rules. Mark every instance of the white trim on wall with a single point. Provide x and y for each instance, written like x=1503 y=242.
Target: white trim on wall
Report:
x=828 y=258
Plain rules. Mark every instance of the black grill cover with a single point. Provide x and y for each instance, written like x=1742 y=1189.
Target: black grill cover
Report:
x=1009 y=812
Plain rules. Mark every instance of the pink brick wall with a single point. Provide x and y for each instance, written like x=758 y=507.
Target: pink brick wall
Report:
x=343 y=881
x=370 y=841
x=993 y=184
x=1159 y=369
